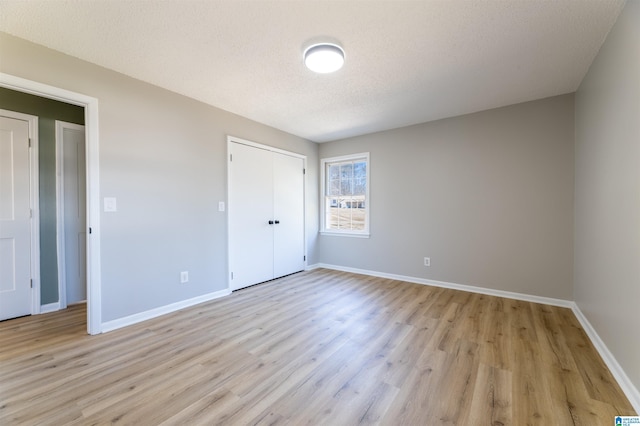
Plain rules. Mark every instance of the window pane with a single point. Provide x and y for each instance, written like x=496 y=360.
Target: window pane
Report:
x=360 y=186
x=334 y=219
x=346 y=171
x=334 y=171
x=334 y=188
x=346 y=186
x=360 y=169
x=357 y=219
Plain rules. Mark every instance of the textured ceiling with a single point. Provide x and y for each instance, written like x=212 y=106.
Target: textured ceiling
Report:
x=407 y=62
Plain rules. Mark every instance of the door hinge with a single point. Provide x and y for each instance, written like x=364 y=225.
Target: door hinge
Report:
x=30 y=213
x=232 y=275
x=230 y=157
x=304 y=171
x=29 y=142
x=304 y=257
x=31 y=283
x=89 y=229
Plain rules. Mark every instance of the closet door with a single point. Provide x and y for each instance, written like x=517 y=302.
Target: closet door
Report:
x=250 y=210
x=266 y=214
x=288 y=211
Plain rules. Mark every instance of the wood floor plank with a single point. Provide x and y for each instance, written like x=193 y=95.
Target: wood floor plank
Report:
x=318 y=347
x=419 y=395
x=491 y=400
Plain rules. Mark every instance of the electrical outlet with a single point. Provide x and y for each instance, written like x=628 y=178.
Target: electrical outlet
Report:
x=184 y=277
x=427 y=261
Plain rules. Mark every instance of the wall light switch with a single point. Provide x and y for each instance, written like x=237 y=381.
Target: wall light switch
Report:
x=221 y=206
x=110 y=204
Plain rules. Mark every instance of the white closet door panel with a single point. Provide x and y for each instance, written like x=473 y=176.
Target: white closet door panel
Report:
x=15 y=219
x=288 y=237
x=250 y=210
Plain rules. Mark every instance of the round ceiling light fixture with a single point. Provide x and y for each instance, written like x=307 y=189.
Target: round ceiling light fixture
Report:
x=324 y=57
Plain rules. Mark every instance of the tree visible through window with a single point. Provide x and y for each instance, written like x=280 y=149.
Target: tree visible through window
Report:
x=345 y=190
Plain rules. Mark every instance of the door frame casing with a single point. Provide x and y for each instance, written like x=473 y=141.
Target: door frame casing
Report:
x=60 y=200
x=233 y=139
x=90 y=104
x=34 y=204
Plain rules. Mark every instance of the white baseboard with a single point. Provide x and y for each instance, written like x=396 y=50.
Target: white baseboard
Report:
x=50 y=307
x=162 y=310
x=462 y=287
x=312 y=267
x=621 y=377
x=618 y=373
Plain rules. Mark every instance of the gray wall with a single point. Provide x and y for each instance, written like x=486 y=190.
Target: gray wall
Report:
x=163 y=156
x=487 y=196
x=607 y=192
x=48 y=111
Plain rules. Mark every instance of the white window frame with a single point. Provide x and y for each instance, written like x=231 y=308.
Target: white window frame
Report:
x=323 y=179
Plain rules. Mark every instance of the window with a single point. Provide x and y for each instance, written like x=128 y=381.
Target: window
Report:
x=345 y=189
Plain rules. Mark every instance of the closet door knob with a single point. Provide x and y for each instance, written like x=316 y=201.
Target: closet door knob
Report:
x=270 y=222
x=277 y=222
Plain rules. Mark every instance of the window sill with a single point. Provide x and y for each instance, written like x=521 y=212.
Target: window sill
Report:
x=344 y=234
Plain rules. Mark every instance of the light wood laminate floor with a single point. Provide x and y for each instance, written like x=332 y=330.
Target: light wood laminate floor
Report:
x=319 y=347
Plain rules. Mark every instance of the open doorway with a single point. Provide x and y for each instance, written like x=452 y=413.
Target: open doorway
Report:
x=30 y=176
x=92 y=205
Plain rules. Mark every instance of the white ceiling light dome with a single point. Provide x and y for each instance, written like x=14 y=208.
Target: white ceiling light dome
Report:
x=324 y=57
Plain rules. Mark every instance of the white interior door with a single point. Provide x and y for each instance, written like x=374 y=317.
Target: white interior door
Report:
x=288 y=233
x=15 y=219
x=250 y=210
x=72 y=222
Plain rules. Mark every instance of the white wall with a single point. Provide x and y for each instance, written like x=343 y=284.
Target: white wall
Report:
x=163 y=156
x=607 y=192
x=487 y=196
